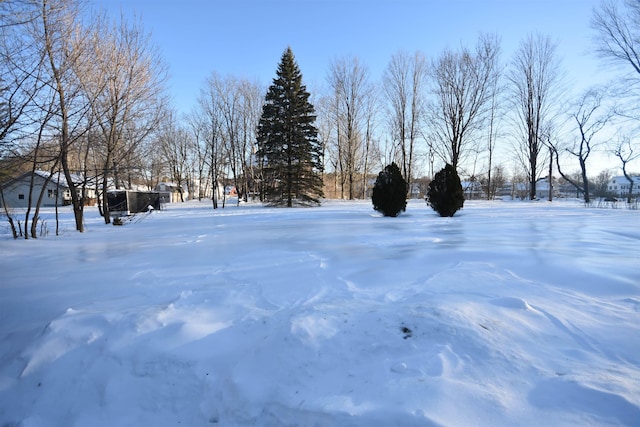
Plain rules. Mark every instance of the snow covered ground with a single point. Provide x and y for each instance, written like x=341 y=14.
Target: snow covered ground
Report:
x=508 y=314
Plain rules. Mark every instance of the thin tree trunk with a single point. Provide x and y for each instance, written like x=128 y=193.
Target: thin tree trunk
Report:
x=12 y=225
x=585 y=181
x=550 y=177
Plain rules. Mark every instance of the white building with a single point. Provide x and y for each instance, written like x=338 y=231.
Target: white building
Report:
x=56 y=190
x=619 y=186
x=170 y=192
x=16 y=192
x=472 y=189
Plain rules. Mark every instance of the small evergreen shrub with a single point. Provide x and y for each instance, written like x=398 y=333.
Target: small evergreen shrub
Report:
x=390 y=192
x=445 y=193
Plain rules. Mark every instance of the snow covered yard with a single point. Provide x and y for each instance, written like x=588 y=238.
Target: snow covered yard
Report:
x=510 y=313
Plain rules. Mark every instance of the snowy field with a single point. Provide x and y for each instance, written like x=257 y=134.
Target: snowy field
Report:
x=508 y=314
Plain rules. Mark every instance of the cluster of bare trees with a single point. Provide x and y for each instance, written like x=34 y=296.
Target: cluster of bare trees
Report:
x=600 y=117
x=404 y=83
x=617 y=41
x=446 y=110
x=457 y=107
x=352 y=101
x=452 y=110
x=223 y=129
x=534 y=77
x=81 y=95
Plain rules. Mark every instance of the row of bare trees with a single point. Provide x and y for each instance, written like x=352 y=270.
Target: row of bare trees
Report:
x=455 y=108
x=82 y=94
x=447 y=110
x=601 y=117
x=617 y=41
x=223 y=128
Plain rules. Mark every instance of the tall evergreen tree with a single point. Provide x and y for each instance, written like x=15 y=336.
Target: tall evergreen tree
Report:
x=288 y=146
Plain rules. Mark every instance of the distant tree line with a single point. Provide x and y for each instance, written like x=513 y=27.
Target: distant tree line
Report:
x=83 y=94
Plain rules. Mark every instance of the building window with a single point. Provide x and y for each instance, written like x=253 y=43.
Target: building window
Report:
x=52 y=194
x=20 y=196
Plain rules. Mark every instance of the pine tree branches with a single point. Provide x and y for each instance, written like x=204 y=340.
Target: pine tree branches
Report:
x=288 y=147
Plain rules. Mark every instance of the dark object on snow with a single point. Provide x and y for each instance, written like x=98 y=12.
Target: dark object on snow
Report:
x=390 y=192
x=127 y=202
x=445 y=193
x=406 y=332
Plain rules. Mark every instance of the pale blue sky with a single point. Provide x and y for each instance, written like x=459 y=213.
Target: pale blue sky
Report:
x=246 y=38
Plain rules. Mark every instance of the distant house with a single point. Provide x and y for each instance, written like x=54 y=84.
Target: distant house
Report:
x=230 y=191
x=203 y=189
x=472 y=189
x=520 y=189
x=618 y=186
x=16 y=191
x=170 y=192
x=415 y=191
x=543 y=188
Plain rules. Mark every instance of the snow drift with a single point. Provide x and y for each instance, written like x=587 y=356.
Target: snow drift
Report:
x=523 y=313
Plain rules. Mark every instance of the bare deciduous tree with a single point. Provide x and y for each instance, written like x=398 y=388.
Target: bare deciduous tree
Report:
x=626 y=152
x=463 y=83
x=494 y=123
x=20 y=80
x=227 y=115
x=589 y=119
x=324 y=124
x=60 y=37
x=20 y=83
x=17 y=13
x=349 y=82
x=252 y=98
x=175 y=144
x=211 y=118
x=124 y=80
x=617 y=40
x=618 y=32
x=198 y=128
x=404 y=84
x=153 y=168
x=534 y=78
x=228 y=99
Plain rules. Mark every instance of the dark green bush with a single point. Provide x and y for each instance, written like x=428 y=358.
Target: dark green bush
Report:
x=445 y=193
x=390 y=192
